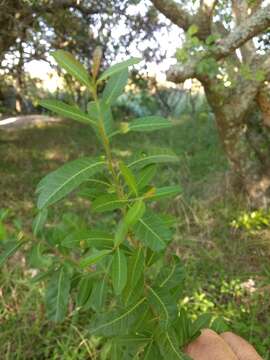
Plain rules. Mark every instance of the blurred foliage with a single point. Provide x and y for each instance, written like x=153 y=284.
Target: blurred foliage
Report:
x=30 y=30
x=252 y=221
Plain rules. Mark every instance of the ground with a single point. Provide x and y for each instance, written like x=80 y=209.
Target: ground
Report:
x=224 y=247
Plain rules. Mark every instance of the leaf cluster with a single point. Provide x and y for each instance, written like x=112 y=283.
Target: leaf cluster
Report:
x=118 y=274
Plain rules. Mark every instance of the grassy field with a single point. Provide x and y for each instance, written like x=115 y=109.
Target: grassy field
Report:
x=228 y=271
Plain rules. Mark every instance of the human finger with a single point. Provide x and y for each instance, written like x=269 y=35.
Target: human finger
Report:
x=241 y=347
x=210 y=346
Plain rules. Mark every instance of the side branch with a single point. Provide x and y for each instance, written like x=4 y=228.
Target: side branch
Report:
x=174 y=12
x=253 y=26
x=180 y=17
x=204 y=18
x=179 y=73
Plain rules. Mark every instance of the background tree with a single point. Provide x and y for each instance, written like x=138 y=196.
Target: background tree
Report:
x=31 y=29
x=221 y=51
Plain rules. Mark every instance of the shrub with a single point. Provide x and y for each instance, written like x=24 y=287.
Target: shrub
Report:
x=117 y=273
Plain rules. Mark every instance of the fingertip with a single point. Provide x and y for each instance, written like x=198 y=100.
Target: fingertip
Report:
x=241 y=347
x=210 y=346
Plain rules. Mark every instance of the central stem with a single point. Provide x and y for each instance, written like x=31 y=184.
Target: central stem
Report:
x=106 y=144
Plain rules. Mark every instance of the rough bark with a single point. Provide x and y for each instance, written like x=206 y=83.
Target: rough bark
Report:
x=242 y=118
x=179 y=16
x=174 y=12
x=246 y=30
x=242 y=33
x=245 y=140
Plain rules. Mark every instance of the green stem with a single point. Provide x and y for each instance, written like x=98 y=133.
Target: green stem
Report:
x=106 y=144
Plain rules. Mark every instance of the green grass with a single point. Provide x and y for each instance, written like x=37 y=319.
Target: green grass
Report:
x=219 y=258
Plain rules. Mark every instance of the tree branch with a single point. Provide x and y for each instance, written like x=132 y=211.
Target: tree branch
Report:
x=242 y=10
x=263 y=63
x=179 y=73
x=263 y=101
x=180 y=17
x=253 y=26
x=204 y=18
x=174 y=12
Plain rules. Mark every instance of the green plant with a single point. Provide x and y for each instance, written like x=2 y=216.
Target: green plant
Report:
x=252 y=221
x=117 y=271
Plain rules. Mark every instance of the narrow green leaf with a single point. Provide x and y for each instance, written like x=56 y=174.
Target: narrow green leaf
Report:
x=129 y=178
x=164 y=305
x=149 y=123
x=92 y=110
x=183 y=328
x=202 y=322
x=172 y=275
x=121 y=233
x=169 y=346
x=146 y=323
x=37 y=258
x=75 y=239
x=168 y=219
x=153 y=157
x=119 y=271
x=135 y=212
x=11 y=250
x=57 y=295
x=62 y=181
x=116 y=353
x=135 y=266
x=115 y=86
x=84 y=290
x=118 y=67
x=39 y=221
x=68 y=62
x=163 y=192
x=135 y=272
x=152 y=256
x=98 y=239
x=3 y=232
x=130 y=340
x=99 y=294
x=170 y=281
x=116 y=322
x=219 y=325
x=93 y=188
x=151 y=231
x=146 y=175
x=103 y=111
x=131 y=345
x=107 y=202
x=95 y=257
x=131 y=293
x=160 y=306
x=151 y=351
x=41 y=275
x=67 y=111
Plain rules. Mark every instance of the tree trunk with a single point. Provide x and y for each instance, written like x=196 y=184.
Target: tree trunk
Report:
x=246 y=141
